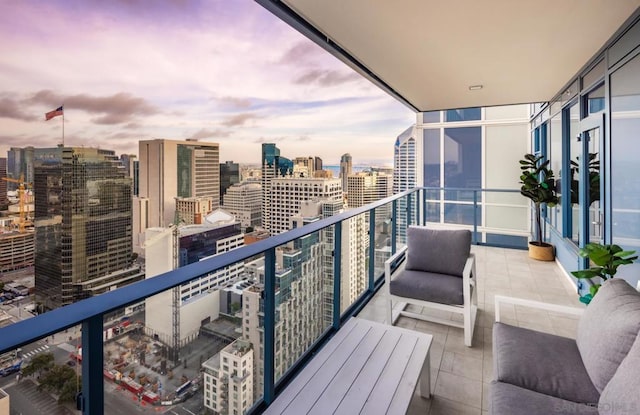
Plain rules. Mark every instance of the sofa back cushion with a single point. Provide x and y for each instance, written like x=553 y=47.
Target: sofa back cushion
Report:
x=439 y=251
x=622 y=393
x=607 y=330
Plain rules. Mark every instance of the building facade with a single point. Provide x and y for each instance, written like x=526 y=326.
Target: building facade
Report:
x=193 y=210
x=346 y=168
x=244 y=201
x=273 y=166
x=199 y=301
x=82 y=225
x=287 y=195
x=405 y=168
x=170 y=169
x=228 y=379
x=463 y=151
x=229 y=175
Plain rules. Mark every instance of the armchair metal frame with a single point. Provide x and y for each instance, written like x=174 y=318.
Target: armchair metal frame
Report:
x=468 y=309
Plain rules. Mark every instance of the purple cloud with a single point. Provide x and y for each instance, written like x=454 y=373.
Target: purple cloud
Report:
x=119 y=108
x=204 y=133
x=10 y=108
x=326 y=77
x=240 y=119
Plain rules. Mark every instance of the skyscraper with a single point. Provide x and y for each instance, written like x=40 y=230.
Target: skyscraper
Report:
x=273 y=166
x=229 y=175
x=243 y=200
x=3 y=183
x=82 y=225
x=367 y=187
x=404 y=175
x=346 y=169
x=287 y=195
x=170 y=169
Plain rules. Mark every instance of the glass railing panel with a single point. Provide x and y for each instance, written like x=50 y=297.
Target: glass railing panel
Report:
x=459 y=213
x=43 y=376
x=382 y=231
x=188 y=349
x=303 y=297
x=402 y=220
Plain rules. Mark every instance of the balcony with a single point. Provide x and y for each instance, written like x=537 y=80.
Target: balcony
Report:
x=460 y=374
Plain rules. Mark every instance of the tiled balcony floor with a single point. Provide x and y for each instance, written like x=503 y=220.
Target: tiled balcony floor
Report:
x=460 y=375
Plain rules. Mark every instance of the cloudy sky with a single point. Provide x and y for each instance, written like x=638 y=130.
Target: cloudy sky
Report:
x=226 y=71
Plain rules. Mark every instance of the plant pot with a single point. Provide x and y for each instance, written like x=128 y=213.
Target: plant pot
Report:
x=541 y=252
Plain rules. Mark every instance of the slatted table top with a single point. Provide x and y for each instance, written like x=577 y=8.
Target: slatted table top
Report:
x=366 y=368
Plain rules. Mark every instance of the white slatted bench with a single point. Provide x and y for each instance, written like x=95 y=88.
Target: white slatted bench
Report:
x=366 y=368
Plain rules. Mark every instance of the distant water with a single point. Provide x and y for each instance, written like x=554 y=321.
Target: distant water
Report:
x=336 y=169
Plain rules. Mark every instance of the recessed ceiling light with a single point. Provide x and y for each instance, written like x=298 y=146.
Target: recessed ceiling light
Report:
x=475 y=87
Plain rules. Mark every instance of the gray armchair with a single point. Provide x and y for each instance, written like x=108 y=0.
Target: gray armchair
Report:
x=438 y=272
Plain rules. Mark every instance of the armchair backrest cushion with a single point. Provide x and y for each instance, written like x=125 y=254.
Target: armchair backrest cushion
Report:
x=440 y=251
x=608 y=329
x=621 y=395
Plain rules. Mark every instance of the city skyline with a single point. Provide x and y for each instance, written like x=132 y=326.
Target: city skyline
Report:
x=225 y=72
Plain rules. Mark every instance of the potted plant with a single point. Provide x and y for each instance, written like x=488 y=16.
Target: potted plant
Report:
x=538 y=185
x=605 y=260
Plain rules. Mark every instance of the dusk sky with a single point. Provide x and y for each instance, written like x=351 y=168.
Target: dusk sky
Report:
x=225 y=71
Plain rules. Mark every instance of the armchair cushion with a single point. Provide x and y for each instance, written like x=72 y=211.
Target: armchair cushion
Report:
x=427 y=286
x=608 y=329
x=437 y=250
x=541 y=362
x=507 y=399
x=622 y=394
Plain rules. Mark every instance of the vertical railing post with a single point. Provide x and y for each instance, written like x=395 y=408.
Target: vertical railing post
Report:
x=372 y=248
x=337 y=266
x=269 y=324
x=424 y=206
x=475 y=217
x=394 y=225
x=409 y=209
x=92 y=398
x=417 y=202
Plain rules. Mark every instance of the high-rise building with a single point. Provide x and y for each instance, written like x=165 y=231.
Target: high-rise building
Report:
x=3 y=183
x=287 y=194
x=131 y=167
x=367 y=187
x=20 y=163
x=346 y=168
x=229 y=175
x=317 y=163
x=228 y=379
x=170 y=169
x=243 y=200
x=404 y=175
x=82 y=225
x=273 y=166
x=304 y=166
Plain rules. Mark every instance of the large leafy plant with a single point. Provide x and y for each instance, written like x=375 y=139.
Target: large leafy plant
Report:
x=605 y=260
x=538 y=185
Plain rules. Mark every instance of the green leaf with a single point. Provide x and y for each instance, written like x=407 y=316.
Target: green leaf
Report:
x=586 y=299
x=593 y=290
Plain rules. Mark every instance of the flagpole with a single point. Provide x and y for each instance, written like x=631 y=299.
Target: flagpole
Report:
x=63 y=126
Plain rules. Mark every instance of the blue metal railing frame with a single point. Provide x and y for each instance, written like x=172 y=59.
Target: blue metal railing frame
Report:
x=90 y=312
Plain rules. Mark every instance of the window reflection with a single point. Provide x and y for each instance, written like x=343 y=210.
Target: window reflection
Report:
x=625 y=147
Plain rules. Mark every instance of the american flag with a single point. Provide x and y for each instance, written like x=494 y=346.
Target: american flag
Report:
x=49 y=115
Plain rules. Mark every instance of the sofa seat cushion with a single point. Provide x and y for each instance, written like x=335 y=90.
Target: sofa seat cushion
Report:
x=440 y=251
x=607 y=329
x=621 y=396
x=508 y=399
x=427 y=286
x=542 y=362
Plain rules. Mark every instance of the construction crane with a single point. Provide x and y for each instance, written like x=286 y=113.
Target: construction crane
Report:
x=22 y=224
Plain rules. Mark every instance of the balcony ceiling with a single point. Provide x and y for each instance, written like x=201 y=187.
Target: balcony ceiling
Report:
x=430 y=52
